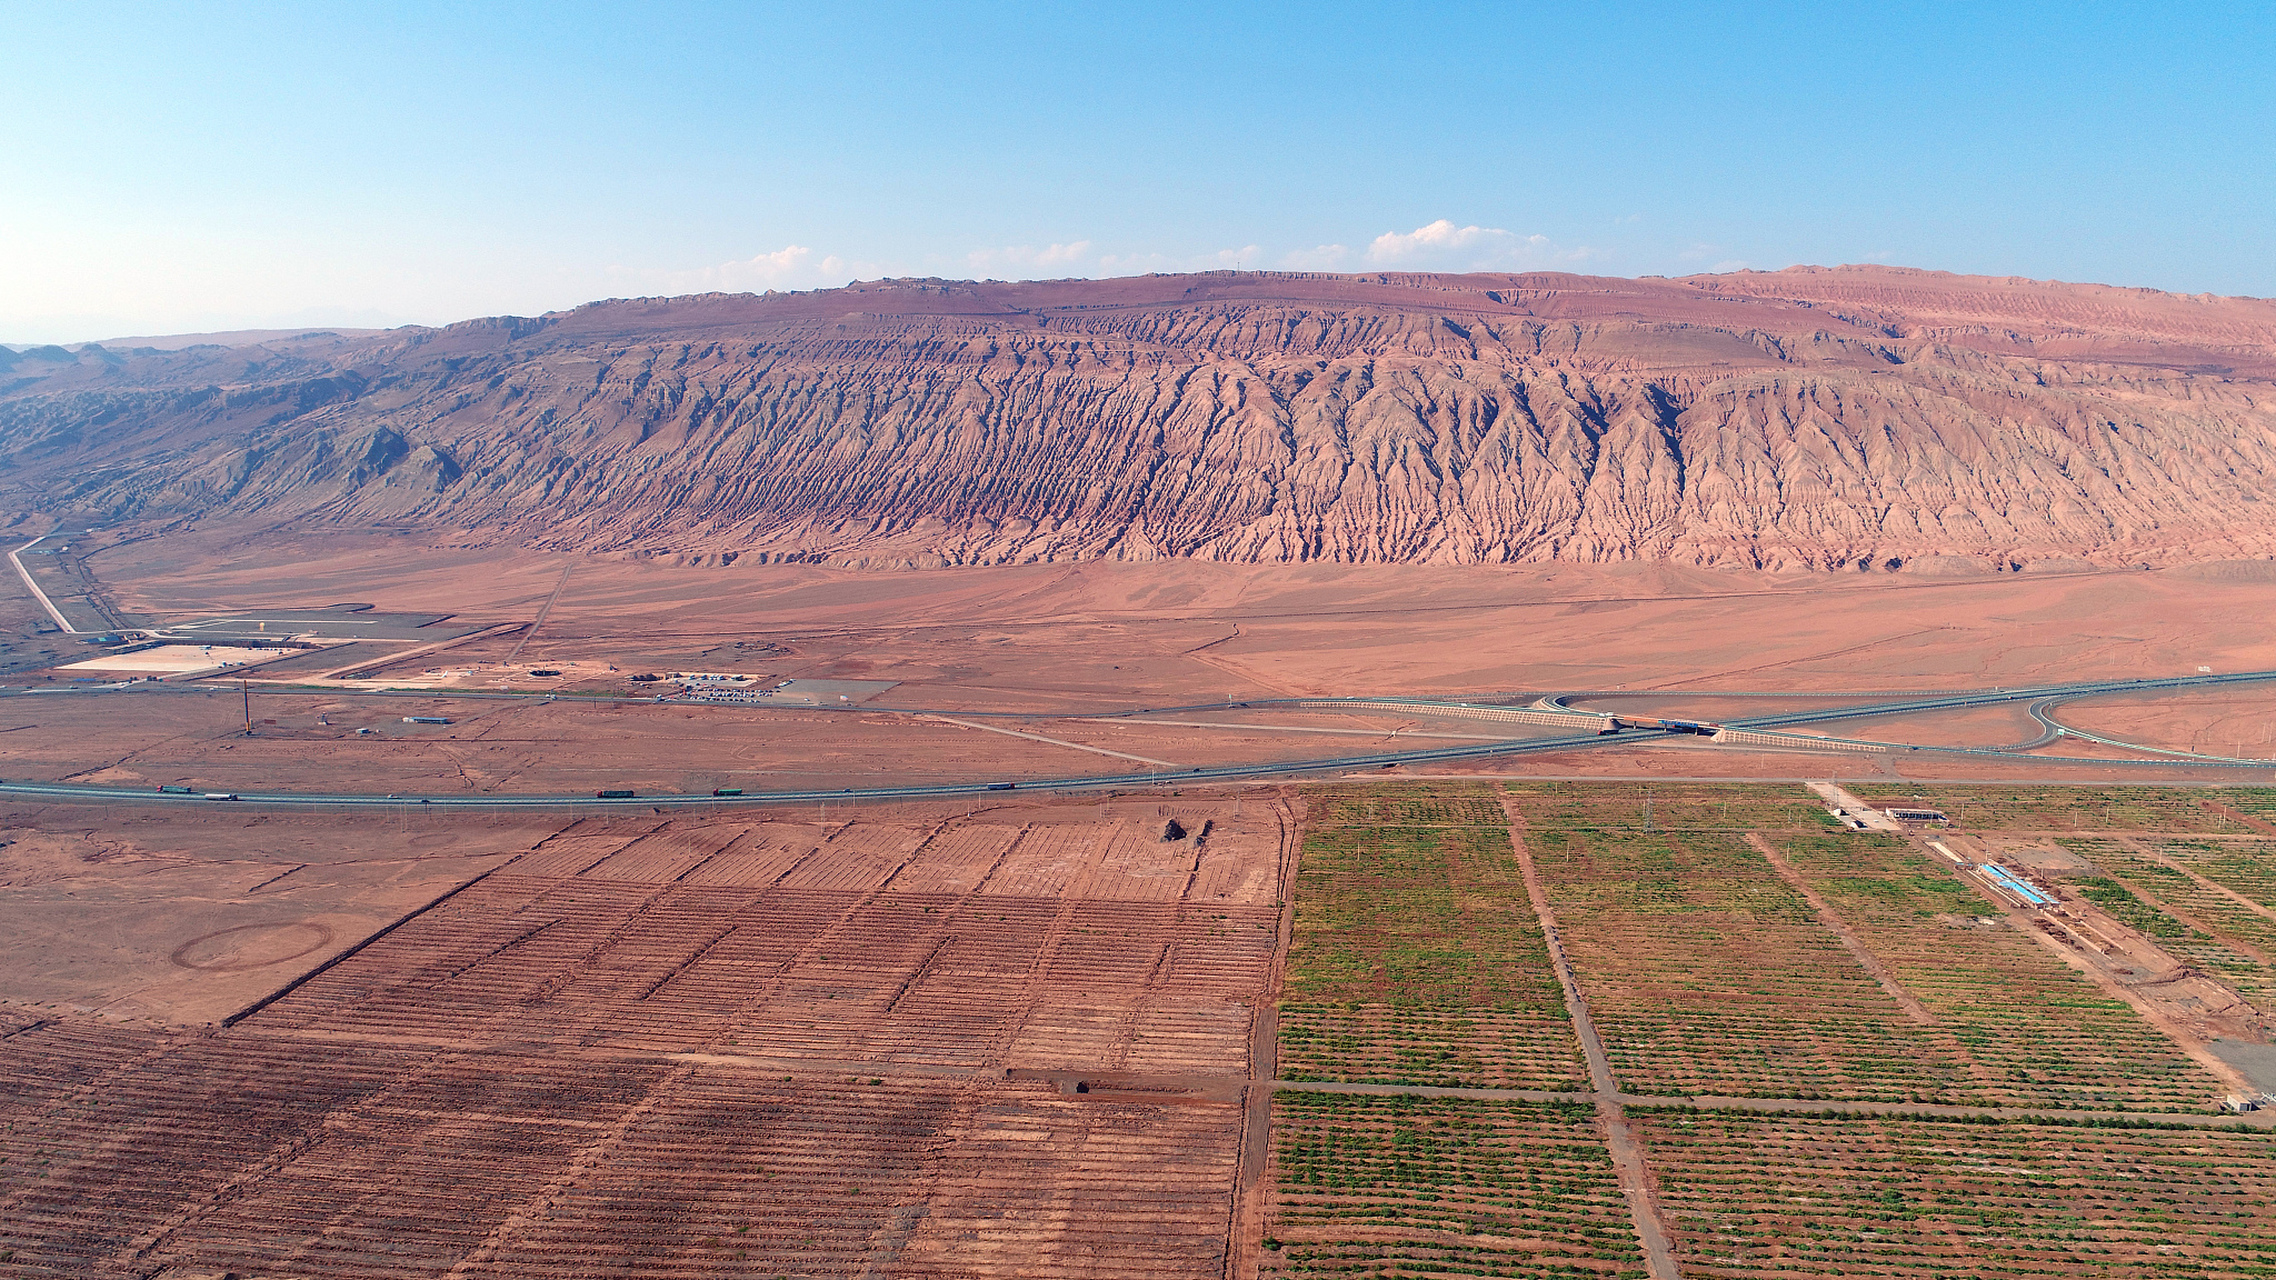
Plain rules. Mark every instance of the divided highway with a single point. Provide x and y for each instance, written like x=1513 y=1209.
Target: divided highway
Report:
x=1216 y=773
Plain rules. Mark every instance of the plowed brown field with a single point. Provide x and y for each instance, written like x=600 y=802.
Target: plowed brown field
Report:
x=1003 y=1043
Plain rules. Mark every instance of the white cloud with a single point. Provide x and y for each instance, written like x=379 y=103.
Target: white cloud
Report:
x=1027 y=260
x=1326 y=257
x=1442 y=246
x=793 y=266
x=1248 y=257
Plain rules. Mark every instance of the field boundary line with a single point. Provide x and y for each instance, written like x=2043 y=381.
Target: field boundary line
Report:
x=1620 y=1142
x=1795 y=1106
x=351 y=953
x=2187 y=919
x=1839 y=928
x=2233 y=814
x=1252 y=1201
x=1831 y=921
x=1371 y=1089
x=2192 y=1046
x=1290 y=728
x=252 y=1172
x=2173 y=864
x=354 y=668
x=538 y=1205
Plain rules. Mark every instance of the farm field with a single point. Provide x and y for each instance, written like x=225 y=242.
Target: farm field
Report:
x=1416 y=958
x=2193 y=922
x=1665 y=806
x=1027 y=1038
x=676 y=1047
x=2244 y=867
x=1430 y=1186
x=2036 y=1031
x=2167 y=810
x=1788 y=1195
x=1706 y=974
x=374 y=1162
x=2257 y=801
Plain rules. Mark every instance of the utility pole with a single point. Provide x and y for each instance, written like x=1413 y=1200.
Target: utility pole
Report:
x=245 y=691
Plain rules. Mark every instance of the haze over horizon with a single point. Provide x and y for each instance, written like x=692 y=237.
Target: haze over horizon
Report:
x=180 y=171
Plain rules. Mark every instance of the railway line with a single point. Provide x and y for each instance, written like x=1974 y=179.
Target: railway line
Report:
x=2040 y=696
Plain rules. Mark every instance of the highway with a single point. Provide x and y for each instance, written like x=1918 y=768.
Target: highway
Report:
x=1993 y=697
x=2048 y=729
x=2039 y=713
x=16 y=558
x=2039 y=695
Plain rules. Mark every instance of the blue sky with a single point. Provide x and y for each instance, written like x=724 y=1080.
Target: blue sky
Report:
x=174 y=168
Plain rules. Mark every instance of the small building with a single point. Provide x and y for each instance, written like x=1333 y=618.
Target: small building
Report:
x=1908 y=814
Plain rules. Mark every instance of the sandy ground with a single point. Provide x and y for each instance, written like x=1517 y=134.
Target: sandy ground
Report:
x=188 y=917
x=1057 y=645
x=2238 y=722
x=171 y=659
x=1083 y=629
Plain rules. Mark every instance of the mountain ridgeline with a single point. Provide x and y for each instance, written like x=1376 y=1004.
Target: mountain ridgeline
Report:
x=1849 y=418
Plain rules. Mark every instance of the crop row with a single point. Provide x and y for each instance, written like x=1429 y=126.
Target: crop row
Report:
x=1395 y=804
x=2247 y=867
x=1757 y=1195
x=739 y=1175
x=2036 y=1031
x=121 y=1134
x=1463 y=1047
x=1664 y=806
x=930 y=978
x=1403 y=1185
x=135 y=1153
x=1705 y=973
x=2220 y=937
x=1417 y=915
x=2059 y=808
x=1416 y=957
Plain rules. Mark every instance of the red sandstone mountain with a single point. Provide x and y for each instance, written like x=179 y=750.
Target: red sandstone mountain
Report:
x=1858 y=416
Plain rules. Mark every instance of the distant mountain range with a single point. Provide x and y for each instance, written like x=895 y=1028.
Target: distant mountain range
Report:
x=1846 y=418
